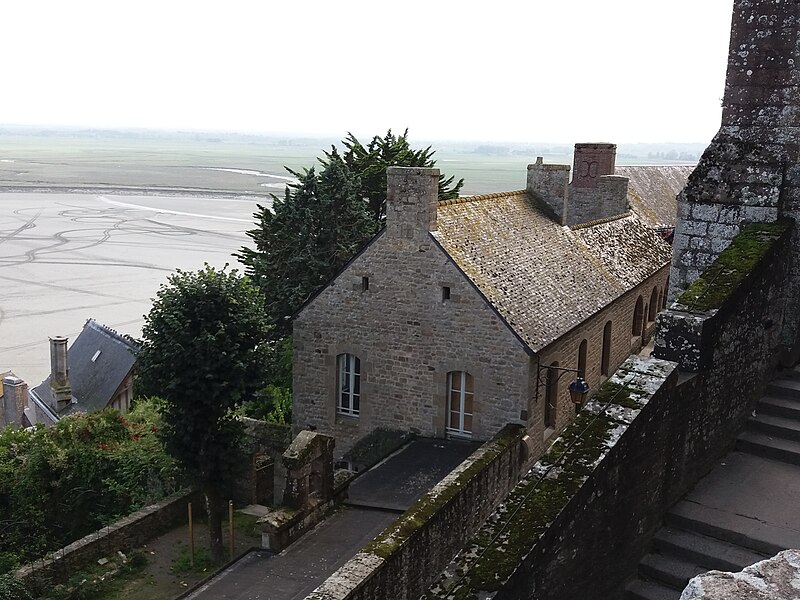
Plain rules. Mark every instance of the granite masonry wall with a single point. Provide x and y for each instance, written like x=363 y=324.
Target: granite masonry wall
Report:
x=750 y=171
x=592 y=503
x=387 y=307
x=403 y=560
x=565 y=350
x=407 y=336
x=126 y=534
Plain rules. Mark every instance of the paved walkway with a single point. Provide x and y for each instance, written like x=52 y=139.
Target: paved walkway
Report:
x=376 y=499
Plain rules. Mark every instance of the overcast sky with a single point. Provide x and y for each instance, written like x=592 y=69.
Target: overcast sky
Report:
x=501 y=70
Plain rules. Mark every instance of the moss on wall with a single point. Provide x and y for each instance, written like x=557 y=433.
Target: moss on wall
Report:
x=732 y=266
x=393 y=537
x=534 y=504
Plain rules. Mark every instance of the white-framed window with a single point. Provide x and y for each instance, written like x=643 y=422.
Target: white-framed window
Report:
x=348 y=384
x=460 y=397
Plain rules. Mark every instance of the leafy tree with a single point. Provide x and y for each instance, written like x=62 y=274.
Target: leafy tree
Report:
x=370 y=164
x=324 y=219
x=310 y=234
x=203 y=351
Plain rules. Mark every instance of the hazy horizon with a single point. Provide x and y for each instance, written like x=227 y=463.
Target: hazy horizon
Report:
x=621 y=70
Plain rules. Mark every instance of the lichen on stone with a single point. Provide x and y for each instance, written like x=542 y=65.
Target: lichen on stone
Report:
x=732 y=266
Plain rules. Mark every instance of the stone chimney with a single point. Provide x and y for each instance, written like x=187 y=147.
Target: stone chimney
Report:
x=14 y=394
x=412 y=200
x=59 y=373
x=595 y=192
x=550 y=185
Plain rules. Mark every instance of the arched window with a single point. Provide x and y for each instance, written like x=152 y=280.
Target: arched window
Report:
x=460 y=397
x=638 y=313
x=660 y=303
x=605 y=357
x=651 y=315
x=582 y=358
x=348 y=384
x=551 y=397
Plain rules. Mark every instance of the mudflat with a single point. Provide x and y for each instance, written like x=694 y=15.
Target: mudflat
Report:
x=67 y=257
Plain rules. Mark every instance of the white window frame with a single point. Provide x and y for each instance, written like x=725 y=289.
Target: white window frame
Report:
x=459 y=430
x=348 y=380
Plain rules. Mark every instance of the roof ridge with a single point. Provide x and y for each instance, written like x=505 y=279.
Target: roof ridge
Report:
x=112 y=333
x=600 y=221
x=463 y=199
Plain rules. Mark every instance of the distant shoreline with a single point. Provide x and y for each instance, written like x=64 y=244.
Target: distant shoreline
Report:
x=129 y=191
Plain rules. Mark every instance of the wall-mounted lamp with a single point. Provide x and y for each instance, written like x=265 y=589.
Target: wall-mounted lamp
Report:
x=578 y=389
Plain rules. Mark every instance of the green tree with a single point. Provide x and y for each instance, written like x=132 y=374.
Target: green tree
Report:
x=203 y=351
x=306 y=237
x=323 y=220
x=370 y=162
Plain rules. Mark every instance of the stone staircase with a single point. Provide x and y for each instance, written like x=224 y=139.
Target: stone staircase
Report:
x=699 y=535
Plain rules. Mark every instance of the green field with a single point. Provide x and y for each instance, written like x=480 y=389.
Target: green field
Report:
x=190 y=161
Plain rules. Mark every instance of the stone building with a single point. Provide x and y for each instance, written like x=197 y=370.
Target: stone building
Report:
x=96 y=373
x=446 y=322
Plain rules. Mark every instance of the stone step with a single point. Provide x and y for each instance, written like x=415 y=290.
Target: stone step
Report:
x=704 y=551
x=669 y=570
x=650 y=590
x=735 y=529
x=776 y=448
x=776 y=426
x=784 y=387
x=779 y=407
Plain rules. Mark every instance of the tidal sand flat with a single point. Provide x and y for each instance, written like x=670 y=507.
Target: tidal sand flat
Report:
x=67 y=257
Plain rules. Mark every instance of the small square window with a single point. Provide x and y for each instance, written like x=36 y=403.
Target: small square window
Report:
x=364 y=284
x=445 y=293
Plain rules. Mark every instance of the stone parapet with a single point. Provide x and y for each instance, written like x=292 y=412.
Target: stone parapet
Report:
x=405 y=558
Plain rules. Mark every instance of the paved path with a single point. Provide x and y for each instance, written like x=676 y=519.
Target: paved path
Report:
x=377 y=498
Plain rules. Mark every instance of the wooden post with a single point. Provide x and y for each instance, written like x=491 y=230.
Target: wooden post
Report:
x=230 y=527
x=191 y=537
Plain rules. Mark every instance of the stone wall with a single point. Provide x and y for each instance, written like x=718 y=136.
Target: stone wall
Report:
x=13 y=399
x=592 y=503
x=750 y=170
x=127 y=533
x=564 y=351
x=405 y=558
x=407 y=337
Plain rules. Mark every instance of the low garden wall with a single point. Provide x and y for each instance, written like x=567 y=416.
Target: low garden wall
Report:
x=405 y=558
x=127 y=533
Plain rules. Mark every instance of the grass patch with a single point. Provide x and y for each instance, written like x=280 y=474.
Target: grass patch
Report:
x=182 y=563
x=245 y=524
x=375 y=446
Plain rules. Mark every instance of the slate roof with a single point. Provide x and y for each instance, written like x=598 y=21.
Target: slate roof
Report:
x=544 y=278
x=93 y=382
x=652 y=191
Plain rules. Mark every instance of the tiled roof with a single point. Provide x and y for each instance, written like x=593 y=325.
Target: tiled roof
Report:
x=544 y=279
x=99 y=360
x=652 y=191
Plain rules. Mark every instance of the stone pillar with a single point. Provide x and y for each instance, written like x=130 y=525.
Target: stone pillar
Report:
x=412 y=201
x=59 y=372
x=550 y=184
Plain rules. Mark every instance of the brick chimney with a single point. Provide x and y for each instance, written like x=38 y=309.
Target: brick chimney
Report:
x=412 y=199
x=592 y=161
x=595 y=192
x=59 y=373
